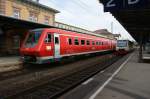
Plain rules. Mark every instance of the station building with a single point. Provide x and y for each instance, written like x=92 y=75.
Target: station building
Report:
x=71 y=27
x=16 y=17
x=106 y=33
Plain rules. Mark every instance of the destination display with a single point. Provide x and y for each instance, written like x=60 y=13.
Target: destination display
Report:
x=113 y=5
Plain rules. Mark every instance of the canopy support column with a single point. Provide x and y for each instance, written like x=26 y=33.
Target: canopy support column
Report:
x=141 y=48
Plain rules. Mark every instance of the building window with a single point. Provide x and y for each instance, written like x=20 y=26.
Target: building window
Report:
x=33 y=16
x=82 y=42
x=46 y=21
x=76 y=41
x=2 y=7
x=56 y=24
x=16 y=12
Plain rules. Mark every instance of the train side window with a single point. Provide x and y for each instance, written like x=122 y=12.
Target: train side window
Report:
x=70 y=41
x=99 y=43
x=93 y=43
x=96 y=43
x=88 y=42
x=48 y=38
x=82 y=42
x=76 y=41
x=56 y=40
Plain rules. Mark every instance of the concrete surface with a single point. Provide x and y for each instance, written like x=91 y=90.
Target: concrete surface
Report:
x=132 y=82
x=9 y=63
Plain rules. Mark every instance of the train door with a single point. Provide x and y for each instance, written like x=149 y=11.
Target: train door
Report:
x=56 y=45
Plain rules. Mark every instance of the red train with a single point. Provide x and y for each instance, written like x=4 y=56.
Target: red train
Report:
x=51 y=44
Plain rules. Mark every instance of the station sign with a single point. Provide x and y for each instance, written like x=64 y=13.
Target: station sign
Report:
x=115 y=5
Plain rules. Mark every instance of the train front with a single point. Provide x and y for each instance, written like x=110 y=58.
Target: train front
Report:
x=30 y=49
x=122 y=47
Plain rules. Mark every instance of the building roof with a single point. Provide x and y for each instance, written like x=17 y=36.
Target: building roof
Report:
x=103 y=32
x=40 y=5
x=78 y=29
x=8 y=22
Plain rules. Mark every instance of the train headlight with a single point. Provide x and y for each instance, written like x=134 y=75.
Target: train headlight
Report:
x=48 y=48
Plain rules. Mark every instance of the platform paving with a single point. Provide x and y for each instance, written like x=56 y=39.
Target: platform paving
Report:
x=146 y=55
x=132 y=81
x=9 y=63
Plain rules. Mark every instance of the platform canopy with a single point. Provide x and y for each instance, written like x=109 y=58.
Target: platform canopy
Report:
x=134 y=15
x=10 y=22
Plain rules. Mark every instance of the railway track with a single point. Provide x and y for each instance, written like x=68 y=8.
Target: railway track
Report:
x=52 y=88
x=32 y=69
x=17 y=81
x=22 y=71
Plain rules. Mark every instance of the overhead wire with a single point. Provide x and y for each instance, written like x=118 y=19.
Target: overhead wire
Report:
x=85 y=7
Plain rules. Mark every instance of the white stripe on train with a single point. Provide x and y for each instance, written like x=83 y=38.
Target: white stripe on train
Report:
x=51 y=57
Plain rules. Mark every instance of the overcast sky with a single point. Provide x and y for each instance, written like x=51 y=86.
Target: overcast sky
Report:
x=87 y=14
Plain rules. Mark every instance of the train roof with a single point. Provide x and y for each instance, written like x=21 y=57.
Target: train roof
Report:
x=93 y=34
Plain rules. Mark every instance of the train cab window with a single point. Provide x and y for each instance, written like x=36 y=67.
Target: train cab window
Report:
x=70 y=41
x=93 y=43
x=56 y=40
x=76 y=41
x=88 y=42
x=82 y=42
x=48 y=38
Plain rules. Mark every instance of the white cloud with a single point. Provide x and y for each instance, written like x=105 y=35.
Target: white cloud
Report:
x=86 y=14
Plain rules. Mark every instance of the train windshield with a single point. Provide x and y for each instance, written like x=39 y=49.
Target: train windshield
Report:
x=33 y=38
x=121 y=43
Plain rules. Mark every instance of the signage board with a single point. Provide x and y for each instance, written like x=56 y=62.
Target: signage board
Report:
x=115 y=5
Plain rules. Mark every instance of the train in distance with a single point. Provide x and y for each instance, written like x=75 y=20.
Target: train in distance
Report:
x=124 y=46
x=47 y=45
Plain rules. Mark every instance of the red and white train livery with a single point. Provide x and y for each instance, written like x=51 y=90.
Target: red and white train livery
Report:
x=50 y=44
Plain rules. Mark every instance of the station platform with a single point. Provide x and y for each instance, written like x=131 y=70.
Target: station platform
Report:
x=125 y=79
x=146 y=55
x=9 y=63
